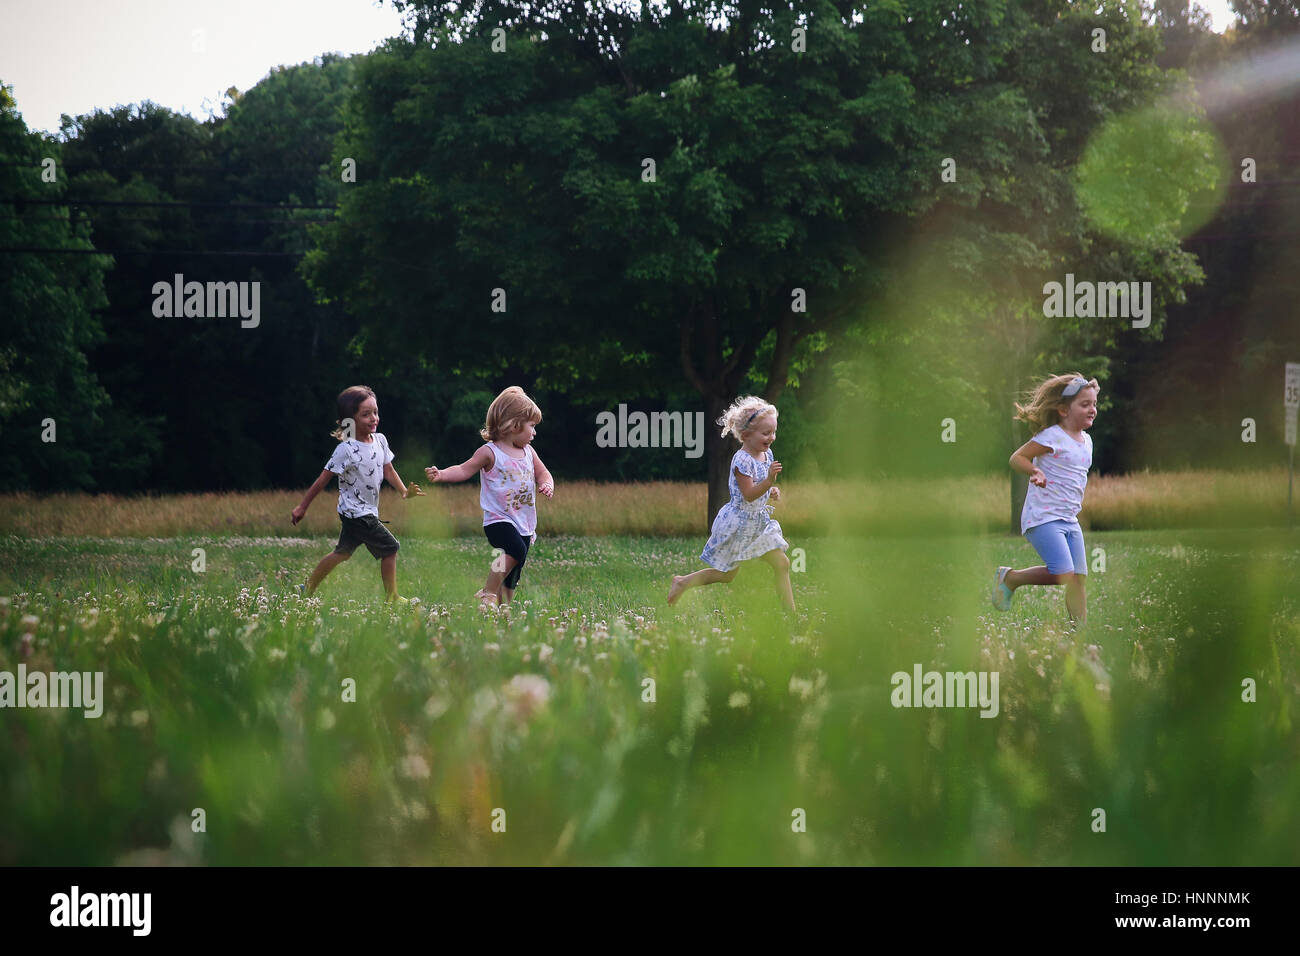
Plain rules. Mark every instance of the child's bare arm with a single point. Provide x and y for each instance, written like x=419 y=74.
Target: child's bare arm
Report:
x=317 y=487
x=1022 y=460
x=751 y=489
x=481 y=459
x=395 y=480
x=545 y=483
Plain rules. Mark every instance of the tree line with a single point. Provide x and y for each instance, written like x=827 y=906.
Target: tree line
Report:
x=849 y=211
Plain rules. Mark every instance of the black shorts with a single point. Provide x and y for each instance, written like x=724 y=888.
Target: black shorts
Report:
x=367 y=530
x=504 y=535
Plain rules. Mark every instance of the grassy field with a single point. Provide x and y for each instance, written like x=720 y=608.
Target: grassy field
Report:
x=225 y=692
x=903 y=506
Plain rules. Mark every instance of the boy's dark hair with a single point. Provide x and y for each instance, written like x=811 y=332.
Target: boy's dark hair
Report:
x=349 y=401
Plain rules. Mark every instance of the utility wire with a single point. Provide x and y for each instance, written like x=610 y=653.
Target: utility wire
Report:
x=204 y=224
x=42 y=250
x=92 y=167
x=22 y=201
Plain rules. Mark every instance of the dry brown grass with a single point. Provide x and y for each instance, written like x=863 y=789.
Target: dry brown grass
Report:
x=893 y=506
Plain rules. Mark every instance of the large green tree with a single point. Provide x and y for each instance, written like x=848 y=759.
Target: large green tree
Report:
x=796 y=149
x=1225 y=349
x=52 y=409
x=216 y=405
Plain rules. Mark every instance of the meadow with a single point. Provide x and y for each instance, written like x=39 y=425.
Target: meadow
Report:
x=895 y=506
x=534 y=738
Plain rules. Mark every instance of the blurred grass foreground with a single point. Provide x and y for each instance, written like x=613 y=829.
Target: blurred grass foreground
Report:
x=602 y=726
x=1143 y=500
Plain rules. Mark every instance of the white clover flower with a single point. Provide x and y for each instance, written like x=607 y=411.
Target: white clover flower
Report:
x=525 y=695
x=414 y=767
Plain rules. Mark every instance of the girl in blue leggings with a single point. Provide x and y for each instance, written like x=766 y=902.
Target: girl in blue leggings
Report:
x=1056 y=460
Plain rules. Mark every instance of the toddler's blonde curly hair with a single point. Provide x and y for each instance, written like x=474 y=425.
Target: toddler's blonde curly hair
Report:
x=743 y=413
x=508 y=412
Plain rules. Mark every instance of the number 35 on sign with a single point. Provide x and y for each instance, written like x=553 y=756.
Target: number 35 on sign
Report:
x=1291 y=398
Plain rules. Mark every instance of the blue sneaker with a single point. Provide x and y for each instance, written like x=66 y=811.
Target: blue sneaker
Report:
x=1001 y=593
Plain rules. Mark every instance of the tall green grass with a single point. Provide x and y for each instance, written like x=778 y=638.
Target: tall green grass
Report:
x=225 y=693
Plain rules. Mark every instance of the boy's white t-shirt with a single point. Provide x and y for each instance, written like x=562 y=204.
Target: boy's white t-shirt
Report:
x=360 y=467
x=1066 y=469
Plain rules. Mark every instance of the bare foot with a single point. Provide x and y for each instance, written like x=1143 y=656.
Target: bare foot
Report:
x=678 y=587
x=486 y=599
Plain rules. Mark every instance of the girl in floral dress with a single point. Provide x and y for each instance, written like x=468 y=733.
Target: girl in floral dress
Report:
x=744 y=527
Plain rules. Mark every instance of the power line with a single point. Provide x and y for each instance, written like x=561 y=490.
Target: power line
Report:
x=21 y=201
x=206 y=223
x=132 y=168
x=145 y=252
x=1243 y=237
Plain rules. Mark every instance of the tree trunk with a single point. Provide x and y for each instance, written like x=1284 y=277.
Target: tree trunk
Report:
x=718 y=451
x=1019 y=482
x=716 y=377
x=1019 y=488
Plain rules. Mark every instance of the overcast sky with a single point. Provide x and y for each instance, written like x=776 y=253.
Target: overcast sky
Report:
x=71 y=56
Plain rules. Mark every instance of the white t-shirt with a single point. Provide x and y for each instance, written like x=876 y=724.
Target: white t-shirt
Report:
x=1066 y=470
x=360 y=467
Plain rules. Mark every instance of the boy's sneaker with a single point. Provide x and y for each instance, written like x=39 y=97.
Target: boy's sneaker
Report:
x=302 y=590
x=1001 y=593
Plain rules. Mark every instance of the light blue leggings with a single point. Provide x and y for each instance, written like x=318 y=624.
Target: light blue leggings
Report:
x=1060 y=544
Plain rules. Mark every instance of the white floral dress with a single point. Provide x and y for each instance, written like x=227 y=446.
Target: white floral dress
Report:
x=743 y=529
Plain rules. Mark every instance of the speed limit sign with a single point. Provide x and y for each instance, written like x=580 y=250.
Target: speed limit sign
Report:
x=1291 y=397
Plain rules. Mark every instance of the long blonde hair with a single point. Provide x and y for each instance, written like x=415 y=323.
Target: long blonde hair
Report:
x=741 y=415
x=1042 y=404
x=509 y=411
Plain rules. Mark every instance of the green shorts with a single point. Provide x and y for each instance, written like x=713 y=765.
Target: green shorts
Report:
x=367 y=530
